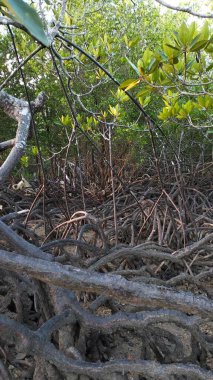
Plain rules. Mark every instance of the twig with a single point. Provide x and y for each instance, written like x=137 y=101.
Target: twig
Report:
x=182 y=9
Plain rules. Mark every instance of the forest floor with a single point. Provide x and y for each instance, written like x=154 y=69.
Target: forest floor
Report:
x=150 y=239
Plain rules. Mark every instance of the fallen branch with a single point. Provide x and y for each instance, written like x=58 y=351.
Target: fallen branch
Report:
x=111 y=285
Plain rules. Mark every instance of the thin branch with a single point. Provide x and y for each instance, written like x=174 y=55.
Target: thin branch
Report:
x=7 y=21
x=7 y=144
x=20 y=65
x=20 y=111
x=142 y=251
x=184 y=252
x=182 y=9
x=20 y=245
x=57 y=26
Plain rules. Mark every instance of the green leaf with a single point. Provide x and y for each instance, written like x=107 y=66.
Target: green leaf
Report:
x=205 y=101
x=133 y=66
x=205 y=31
x=147 y=55
x=34 y=150
x=152 y=66
x=189 y=64
x=184 y=34
x=165 y=114
x=198 y=45
x=169 y=69
x=25 y=161
x=163 y=54
x=173 y=47
x=126 y=83
x=140 y=65
x=209 y=67
x=132 y=84
x=209 y=46
x=177 y=39
x=126 y=40
x=66 y=120
x=28 y=17
x=182 y=114
x=134 y=42
x=121 y=95
x=155 y=76
x=195 y=39
x=114 y=110
x=147 y=101
x=188 y=106
x=192 y=29
x=143 y=93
